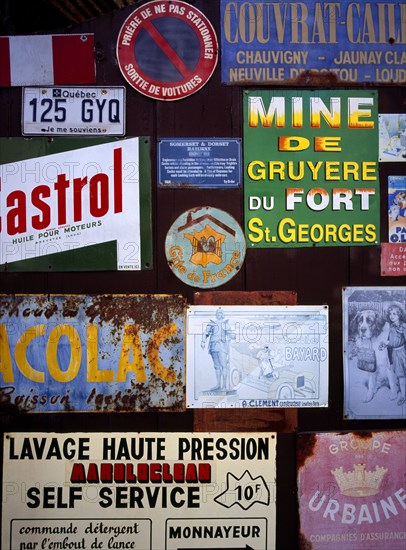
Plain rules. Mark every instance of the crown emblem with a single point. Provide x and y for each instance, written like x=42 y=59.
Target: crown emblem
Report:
x=359 y=482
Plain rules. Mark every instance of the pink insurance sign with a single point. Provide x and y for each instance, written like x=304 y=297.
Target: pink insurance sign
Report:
x=352 y=492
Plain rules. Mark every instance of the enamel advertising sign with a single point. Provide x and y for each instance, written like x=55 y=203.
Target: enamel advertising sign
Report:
x=257 y=356
x=393 y=260
x=283 y=42
x=374 y=346
x=144 y=491
x=199 y=162
x=79 y=353
x=392 y=137
x=205 y=247
x=167 y=50
x=352 y=493
x=397 y=209
x=311 y=168
x=75 y=205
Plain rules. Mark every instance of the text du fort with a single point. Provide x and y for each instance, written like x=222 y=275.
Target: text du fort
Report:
x=68 y=194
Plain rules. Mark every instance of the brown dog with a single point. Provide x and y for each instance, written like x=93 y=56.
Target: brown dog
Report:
x=369 y=330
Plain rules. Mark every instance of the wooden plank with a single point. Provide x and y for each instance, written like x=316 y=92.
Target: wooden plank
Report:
x=241 y=420
x=253 y=298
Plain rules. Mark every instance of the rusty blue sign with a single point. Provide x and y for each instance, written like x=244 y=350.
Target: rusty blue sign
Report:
x=92 y=353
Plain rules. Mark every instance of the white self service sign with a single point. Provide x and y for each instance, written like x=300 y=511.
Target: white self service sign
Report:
x=74 y=111
x=144 y=491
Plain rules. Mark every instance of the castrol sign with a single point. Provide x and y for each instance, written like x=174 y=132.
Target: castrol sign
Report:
x=73 y=210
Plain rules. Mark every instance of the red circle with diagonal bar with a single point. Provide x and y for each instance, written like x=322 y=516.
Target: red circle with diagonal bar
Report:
x=167 y=50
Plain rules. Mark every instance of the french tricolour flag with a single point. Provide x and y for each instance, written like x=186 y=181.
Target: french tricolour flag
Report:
x=47 y=59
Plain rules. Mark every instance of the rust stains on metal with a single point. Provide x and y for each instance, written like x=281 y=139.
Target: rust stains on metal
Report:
x=313 y=78
x=53 y=308
x=363 y=435
x=71 y=306
x=324 y=78
x=308 y=78
x=10 y=307
x=153 y=352
x=305 y=448
x=129 y=349
x=154 y=315
x=37 y=305
x=137 y=397
x=142 y=309
x=21 y=403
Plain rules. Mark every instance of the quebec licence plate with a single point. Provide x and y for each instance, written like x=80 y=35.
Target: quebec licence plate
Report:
x=73 y=111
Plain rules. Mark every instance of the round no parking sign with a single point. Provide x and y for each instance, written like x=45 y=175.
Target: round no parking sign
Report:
x=167 y=50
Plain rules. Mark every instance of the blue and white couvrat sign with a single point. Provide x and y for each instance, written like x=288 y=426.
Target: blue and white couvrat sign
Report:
x=283 y=42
